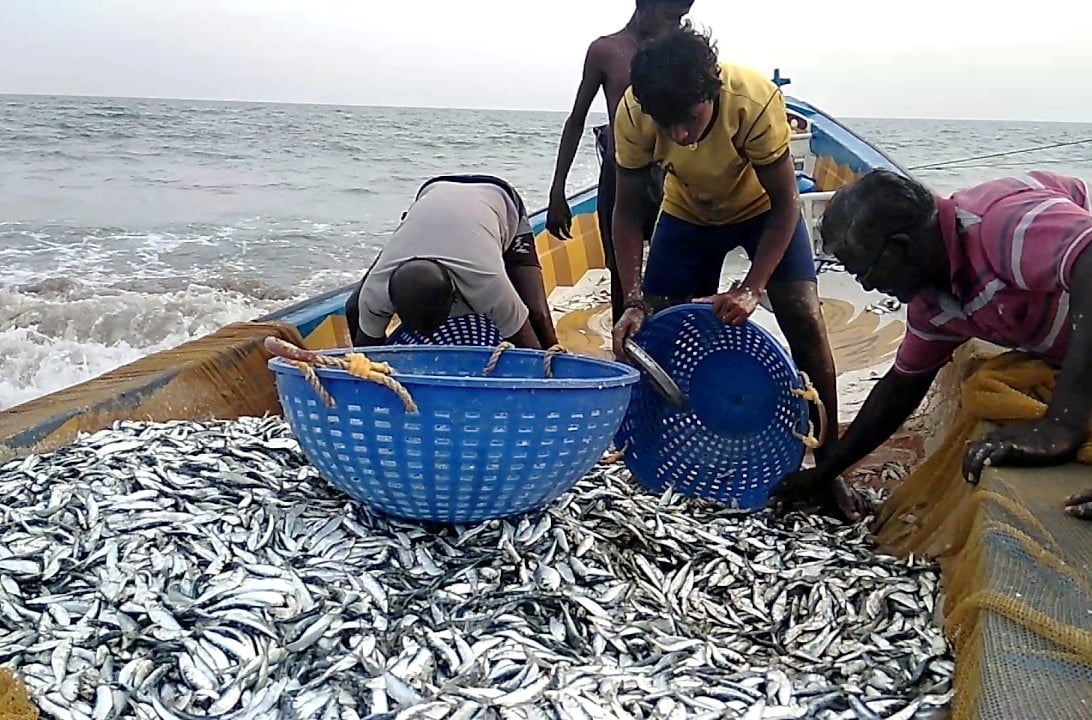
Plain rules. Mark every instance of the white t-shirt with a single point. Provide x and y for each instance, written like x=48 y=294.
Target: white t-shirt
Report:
x=466 y=226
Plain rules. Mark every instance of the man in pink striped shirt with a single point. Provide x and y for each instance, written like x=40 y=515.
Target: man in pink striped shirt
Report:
x=1005 y=261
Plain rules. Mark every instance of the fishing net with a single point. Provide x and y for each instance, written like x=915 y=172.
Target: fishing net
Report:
x=15 y=701
x=1018 y=590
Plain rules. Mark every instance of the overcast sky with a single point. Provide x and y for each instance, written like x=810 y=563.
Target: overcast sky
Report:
x=928 y=58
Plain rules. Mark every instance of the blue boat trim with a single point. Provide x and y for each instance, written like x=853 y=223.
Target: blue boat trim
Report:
x=833 y=138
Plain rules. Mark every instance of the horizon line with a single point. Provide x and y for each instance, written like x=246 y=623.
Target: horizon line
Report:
x=314 y=103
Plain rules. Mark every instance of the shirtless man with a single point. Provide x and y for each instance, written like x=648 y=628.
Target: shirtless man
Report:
x=606 y=66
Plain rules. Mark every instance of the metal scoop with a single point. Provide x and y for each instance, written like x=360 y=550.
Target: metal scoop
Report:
x=661 y=381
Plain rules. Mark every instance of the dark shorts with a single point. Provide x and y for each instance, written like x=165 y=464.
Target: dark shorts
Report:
x=685 y=260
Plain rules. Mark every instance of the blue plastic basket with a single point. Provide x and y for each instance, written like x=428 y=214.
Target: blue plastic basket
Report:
x=734 y=441
x=479 y=447
x=468 y=329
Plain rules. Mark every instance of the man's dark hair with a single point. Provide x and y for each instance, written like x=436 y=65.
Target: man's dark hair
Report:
x=879 y=204
x=673 y=72
x=422 y=293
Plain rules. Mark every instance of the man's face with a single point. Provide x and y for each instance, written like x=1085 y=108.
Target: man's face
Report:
x=882 y=263
x=690 y=129
x=660 y=16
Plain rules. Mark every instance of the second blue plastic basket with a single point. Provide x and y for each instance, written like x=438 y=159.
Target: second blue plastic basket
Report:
x=469 y=329
x=479 y=446
x=742 y=430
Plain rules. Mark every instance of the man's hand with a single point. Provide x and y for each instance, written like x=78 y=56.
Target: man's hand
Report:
x=1034 y=442
x=1080 y=505
x=834 y=496
x=630 y=322
x=733 y=307
x=559 y=217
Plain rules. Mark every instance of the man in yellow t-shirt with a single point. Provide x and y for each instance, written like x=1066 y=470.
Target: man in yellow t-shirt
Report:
x=720 y=133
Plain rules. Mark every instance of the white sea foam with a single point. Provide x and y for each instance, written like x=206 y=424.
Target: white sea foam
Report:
x=58 y=333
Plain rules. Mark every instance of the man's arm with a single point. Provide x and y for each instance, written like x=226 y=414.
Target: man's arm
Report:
x=1071 y=404
x=352 y=318
x=924 y=350
x=525 y=337
x=352 y=315
x=362 y=339
x=1055 y=253
x=628 y=254
x=779 y=180
x=628 y=241
x=527 y=279
x=1040 y=243
x=634 y=151
x=765 y=143
x=921 y=354
x=887 y=407
x=590 y=82
x=763 y=139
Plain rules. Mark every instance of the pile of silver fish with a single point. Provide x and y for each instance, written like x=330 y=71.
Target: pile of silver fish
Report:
x=205 y=569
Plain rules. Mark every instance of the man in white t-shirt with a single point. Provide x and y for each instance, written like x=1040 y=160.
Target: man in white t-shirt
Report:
x=464 y=246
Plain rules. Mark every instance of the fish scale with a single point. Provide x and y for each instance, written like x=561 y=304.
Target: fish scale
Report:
x=215 y=572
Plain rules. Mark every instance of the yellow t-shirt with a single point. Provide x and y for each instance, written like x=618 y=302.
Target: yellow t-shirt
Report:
x=715 y=183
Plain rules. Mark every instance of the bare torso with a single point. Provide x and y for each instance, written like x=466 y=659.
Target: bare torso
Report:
x=613 y=54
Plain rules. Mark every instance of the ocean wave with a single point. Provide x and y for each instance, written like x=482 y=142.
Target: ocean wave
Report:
x=59 y=332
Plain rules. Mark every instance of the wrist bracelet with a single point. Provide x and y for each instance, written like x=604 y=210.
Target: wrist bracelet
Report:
x=637 y=304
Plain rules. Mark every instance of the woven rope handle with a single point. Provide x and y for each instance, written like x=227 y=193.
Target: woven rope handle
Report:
x=356 y=364
x=491 y=365
x=553 y=352
x=810 y=394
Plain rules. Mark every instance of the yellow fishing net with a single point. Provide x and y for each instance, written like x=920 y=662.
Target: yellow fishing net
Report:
x=1017 y=569
x=15 y=702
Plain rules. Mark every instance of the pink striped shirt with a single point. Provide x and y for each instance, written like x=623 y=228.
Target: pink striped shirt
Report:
x=1012 y=244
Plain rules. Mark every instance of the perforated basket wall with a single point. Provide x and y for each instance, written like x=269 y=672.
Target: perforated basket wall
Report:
x=735 y=440
x=469 y=329
x=478 y=448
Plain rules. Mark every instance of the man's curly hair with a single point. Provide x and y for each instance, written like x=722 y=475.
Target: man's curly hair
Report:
x=673 y=72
